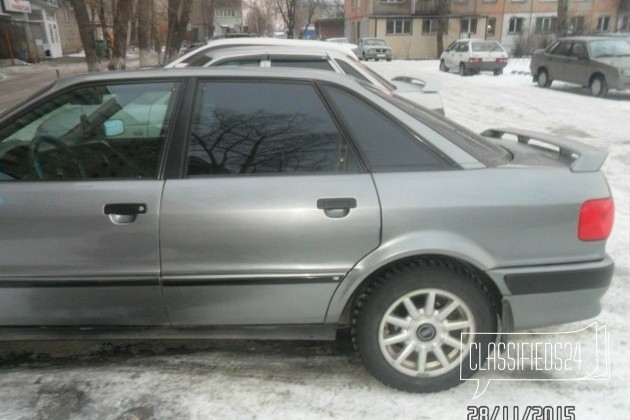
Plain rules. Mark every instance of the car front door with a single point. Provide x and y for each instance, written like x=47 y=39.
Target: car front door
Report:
x=576 y=68
x=557 y=60
x=79 y=206
x=271 y=211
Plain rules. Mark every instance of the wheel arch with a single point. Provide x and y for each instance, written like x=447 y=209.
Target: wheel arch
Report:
x=594 y=75
x=344 y=298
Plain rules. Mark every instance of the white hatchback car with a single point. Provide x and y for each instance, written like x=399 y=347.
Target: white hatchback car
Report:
x=474 y=55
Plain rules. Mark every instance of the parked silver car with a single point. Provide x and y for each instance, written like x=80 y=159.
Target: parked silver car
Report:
x=314 y=55
x=595 y=62
x=263 y=203
x=374 y=49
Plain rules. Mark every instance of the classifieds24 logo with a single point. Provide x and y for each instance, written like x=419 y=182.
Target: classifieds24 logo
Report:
x=581 y=355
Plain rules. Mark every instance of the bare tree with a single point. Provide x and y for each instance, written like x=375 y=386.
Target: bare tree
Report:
x=286 y=9
x=124 y=9
x=260 y=16
x=144 y=30
x=86 y=32
x=178 y=18
x=306 y=11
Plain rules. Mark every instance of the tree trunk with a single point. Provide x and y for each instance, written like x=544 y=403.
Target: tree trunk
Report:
x=144 y=30
x=156 y=37
x=121 y=23
x=86 y=32
x=178 y=17
x=563 y=18
x=441 y=23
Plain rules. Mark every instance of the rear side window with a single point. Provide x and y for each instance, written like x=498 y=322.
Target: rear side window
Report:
x=486 y=47
x=351 y=71
x=387 y=146
x=246 y=62
x=314 y=63
x=251 y=127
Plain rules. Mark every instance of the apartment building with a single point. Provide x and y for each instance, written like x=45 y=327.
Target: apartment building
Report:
x=410 y=26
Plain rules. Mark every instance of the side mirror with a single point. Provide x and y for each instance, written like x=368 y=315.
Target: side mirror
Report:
x=114 y=128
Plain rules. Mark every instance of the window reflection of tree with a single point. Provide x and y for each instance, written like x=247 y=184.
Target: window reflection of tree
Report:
x=225 y=141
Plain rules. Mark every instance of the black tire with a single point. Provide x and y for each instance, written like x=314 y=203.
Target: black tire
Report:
x=446 y=280
x=543 y=79
x=363 y=56
x=463 y=70
x=443 y=66
x=388 y=59
x=376 y=59
x=498 y=72
x=598 y=86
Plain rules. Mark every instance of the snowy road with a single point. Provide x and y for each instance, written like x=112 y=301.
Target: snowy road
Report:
x=287 y=380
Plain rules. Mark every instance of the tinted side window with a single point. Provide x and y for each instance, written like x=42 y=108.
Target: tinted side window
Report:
x=246 y=62
x=314 y=63
x=351 y=71
x=250 y=127
x=463 y=47
x=562 y=48
x=103 y=131
x=387 y=146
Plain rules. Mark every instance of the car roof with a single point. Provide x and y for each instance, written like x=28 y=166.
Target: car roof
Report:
x=297 y=43
x=583 y=38
x=244 y=50
x=294 y=74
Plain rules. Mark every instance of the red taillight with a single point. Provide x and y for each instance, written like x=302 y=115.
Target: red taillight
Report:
x=501 y=60
x=596 y=219
x=475 y=60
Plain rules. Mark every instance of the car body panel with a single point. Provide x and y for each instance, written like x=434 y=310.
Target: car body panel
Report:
x=204 y=223
x=257 y=250
x=56 y=238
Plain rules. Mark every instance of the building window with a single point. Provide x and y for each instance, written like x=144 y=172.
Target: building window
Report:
x=545 y=25
x=429 y=26
x=354 y=3
x=491 y=27
x=398 y=26
x=392 y=1
x=577 y=25
x=516 y=25
x=468 y=26
x=225 y=13
x=602 y=23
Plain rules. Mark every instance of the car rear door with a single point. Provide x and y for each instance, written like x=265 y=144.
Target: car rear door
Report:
x=79 y=204
x=270 y=211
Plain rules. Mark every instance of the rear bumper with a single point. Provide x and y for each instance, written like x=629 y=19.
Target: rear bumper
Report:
x=486 y=65
x=542 y=296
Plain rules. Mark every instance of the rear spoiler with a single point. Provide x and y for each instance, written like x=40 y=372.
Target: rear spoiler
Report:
x=584 y=158
x=424 y=85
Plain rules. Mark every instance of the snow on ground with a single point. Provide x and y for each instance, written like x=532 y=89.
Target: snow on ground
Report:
x=247 y=379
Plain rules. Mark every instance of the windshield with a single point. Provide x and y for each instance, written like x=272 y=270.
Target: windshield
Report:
x=486 y=46
x=484 y=150
x=374 y=42
x=609 y=48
